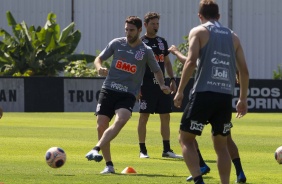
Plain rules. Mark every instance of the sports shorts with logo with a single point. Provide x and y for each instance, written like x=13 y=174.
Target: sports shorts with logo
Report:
x=109 y=101
x=153 y=100
x=208 y=107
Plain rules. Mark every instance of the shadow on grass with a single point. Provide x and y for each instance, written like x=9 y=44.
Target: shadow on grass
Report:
x=168 y=159
x=210 y=161
x=64 y=174
x=146 y=175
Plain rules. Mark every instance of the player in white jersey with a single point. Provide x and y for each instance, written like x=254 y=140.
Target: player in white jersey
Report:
x=121 y=86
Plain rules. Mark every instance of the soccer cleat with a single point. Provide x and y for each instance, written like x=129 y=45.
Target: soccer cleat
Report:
x=241 y=178
x=204 y=170
x=94 y=155
x=143 y=155
x=171 y=154
x=108 y=170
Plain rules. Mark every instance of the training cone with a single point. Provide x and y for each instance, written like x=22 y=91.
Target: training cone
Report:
x=128 y=170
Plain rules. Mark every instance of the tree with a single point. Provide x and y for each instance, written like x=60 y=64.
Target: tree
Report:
x=38 y=51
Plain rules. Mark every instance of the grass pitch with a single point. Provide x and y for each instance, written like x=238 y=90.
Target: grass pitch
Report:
x=25 y=138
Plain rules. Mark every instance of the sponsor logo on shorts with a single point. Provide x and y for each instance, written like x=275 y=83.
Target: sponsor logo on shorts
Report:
x=155 y=81
x=98 y=107
x=227 y=127
x=143 y=105
x=196 y=126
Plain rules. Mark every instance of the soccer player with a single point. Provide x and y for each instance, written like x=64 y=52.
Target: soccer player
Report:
x=218 y=52
x=152 y=99
x=121 y=86
x=232 y=147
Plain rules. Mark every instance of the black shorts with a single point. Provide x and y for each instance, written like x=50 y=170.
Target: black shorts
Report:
x=109 y=101
x=153 y=100
x=208 y=107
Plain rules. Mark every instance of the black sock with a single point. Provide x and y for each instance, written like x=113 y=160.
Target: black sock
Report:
x=202 y=162
x=143 y=147
x=198 y=180
x=166 y=145
x=238 y=166
x=109 y=163
x=97 y=148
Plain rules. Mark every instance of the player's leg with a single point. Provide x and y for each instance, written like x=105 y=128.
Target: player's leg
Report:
x=164 y=108
x=235 y=157
x=121 y=118
x=223 y=158
x=204 y=167
x=142 y=131
x=165 y=131
x=147 y=104
x=193 y=121
x=190 y=155
x=220 y=122
x=102 y=125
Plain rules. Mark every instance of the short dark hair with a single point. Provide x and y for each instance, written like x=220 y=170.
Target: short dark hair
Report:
x=135 y=21
x=151 y=15
x=209 y=9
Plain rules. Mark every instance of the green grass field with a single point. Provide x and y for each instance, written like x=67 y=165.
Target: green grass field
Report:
x=25 y=138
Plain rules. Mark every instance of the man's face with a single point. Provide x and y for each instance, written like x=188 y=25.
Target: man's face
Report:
x=152 y=26
x=131 y=32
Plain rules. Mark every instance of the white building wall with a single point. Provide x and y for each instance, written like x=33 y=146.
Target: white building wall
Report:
x=258 y=24
x=34 y=12
x=102 y=20
x=255 y=21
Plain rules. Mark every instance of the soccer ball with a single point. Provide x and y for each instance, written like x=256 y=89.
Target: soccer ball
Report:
x=278 y=155
x=55 y=157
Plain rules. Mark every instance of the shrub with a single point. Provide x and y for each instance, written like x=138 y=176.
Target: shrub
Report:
x=38 y=51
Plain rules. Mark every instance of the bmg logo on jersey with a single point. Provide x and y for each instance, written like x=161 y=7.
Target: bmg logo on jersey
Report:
x=127 y=67
x=220 y=73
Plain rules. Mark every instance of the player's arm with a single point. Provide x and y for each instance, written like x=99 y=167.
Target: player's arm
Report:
x=189 y=65
x=169 y=71
x=173 y=49
x=243 y=79
x=98 y=65
x=160 y=78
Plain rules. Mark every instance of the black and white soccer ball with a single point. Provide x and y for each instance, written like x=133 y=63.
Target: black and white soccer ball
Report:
x=55 y=157
x=278 y=155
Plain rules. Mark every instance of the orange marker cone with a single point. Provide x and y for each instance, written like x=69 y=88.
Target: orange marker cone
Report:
x=128 y=170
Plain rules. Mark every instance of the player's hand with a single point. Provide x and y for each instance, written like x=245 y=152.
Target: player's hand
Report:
x=173 y=86
x=103 y=72
x=165 y=89
x=178 y=99
x=138 y=96
x=242 y=108
x=172 y=49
